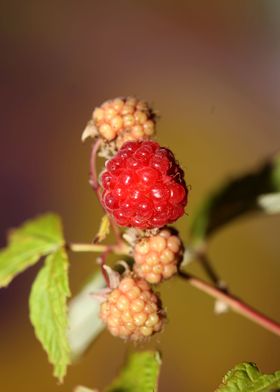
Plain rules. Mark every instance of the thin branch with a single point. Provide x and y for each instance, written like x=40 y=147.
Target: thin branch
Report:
x=119 y=249
x=208 y=268
x=87 y=247
x=198 y=253
x=101 y=260
x=93 y=173
x=234 y=303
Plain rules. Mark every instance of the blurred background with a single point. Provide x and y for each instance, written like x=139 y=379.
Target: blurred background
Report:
x=212 y=71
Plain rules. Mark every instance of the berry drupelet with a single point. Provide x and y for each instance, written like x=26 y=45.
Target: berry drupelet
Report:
x=144 y=186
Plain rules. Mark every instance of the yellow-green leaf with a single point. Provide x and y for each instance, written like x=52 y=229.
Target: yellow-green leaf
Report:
x=246 y=377
x=48 y=310
x=140 y=374
x=34 y=239
x=104 y=229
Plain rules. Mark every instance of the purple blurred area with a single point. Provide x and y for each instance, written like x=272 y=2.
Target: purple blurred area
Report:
x=212 y=71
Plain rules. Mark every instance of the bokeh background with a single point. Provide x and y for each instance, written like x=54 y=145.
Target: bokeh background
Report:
x=212 y=70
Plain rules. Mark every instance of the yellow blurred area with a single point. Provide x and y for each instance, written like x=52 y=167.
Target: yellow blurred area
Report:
x=212 y=71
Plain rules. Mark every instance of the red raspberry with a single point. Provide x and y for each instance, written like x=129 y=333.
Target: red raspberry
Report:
x=124 y=119
x=157 y=257
x=132 y=311
x=144 y=186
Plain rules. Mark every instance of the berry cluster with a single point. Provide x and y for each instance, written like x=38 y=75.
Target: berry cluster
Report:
x=144 y=186
x=157 y=257
x=125 y=119
x=132 y=311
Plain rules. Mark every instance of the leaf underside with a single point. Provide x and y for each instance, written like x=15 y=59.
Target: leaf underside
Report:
x=84 y=323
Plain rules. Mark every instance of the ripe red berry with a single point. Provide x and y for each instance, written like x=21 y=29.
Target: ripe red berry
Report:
x=157 y=257
x=132 y=311
x=144 y=186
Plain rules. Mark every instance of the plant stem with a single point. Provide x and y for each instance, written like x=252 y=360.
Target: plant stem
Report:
x=211 y=272
x=101 y=261
x=199 y=253
x=234 y=303
x=87 y=248
x=93 y=175
x=119 y=249
x=95 y=186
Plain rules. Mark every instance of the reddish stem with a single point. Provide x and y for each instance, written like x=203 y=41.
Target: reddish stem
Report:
x=96 y=187
x=93 y=175
x=102 y=261
x=234 y=303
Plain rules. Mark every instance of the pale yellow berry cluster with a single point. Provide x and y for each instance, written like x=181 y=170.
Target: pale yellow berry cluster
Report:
x=132 y=311
x=157 y=257
x=124 y=119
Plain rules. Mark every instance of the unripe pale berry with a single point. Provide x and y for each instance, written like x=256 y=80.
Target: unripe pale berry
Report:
x=157 y=257
x=144 y=186
x=132 y=311
x=124 y=119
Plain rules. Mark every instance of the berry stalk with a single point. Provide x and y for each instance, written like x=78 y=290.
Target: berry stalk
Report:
x=93 y=173
x=118 y=249
x=95 y=186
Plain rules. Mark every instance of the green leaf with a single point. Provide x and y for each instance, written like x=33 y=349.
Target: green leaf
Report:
x=84 y=323
x=246 y=377
x=48 y=310
x=34 y=239
x=236 y=198
x=46 y=227
x=140 y=374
